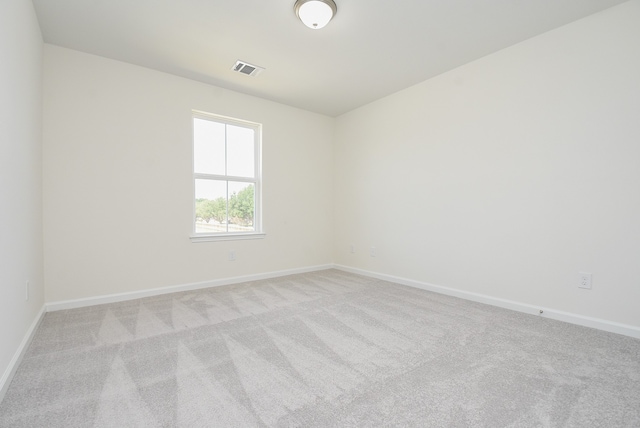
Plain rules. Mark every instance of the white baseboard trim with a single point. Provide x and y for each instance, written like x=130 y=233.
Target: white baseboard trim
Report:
x=600 y=324
x=121 y=297
x=5 y=381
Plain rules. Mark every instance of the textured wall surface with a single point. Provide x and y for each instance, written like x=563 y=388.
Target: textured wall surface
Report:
x=507 y=176
x=20 y=174
x=118 y=180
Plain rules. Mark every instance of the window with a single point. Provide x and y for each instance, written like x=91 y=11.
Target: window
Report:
x=226 y=175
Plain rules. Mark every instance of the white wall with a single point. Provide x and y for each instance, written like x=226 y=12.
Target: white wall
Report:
x=507 y=176
x=504 y=177
x=118 y=180
x=20 y=175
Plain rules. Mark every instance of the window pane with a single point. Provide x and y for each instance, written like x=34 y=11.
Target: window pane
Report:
x=208 y=147
x=211 y=206
x=240 y=156
x=241 y=207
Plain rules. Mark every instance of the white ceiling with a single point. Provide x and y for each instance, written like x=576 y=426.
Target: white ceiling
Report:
x=371 y=49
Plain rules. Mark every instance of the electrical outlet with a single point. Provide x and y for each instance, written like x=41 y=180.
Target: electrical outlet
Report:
x=26 y=296
x=352 y=249
x=232 y=256
x=373 y=252
x=585 y=280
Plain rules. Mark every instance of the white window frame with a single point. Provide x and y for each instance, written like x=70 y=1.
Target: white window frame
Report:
x=258 y=231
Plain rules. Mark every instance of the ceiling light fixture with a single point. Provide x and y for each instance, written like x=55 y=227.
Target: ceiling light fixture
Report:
x=315 y=14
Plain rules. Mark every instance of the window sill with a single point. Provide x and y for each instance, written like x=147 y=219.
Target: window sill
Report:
x=226 y=237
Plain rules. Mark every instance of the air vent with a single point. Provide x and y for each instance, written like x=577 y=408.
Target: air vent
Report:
x=246 y=68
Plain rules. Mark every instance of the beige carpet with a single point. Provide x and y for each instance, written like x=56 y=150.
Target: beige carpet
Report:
x=319 y=350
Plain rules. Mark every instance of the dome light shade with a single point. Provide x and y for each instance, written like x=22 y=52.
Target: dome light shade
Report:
x=315 y=14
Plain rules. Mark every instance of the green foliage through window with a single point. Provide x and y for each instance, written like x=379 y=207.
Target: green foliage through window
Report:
x=241 y=208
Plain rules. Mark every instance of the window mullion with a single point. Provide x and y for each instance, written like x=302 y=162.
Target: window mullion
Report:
x=257 y=173
x=226 y=151
x=240 y=179
x=226 y=172
x=202 y=176
x=227 y=220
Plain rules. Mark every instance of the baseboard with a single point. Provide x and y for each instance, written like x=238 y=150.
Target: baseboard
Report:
x=600 y=324
x=121 y=297
x=5 y=381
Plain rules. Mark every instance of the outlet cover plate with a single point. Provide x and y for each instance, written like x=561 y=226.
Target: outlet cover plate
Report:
x=585 y=280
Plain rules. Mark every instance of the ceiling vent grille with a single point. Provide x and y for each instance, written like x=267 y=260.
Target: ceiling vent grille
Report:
x=246 y=68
